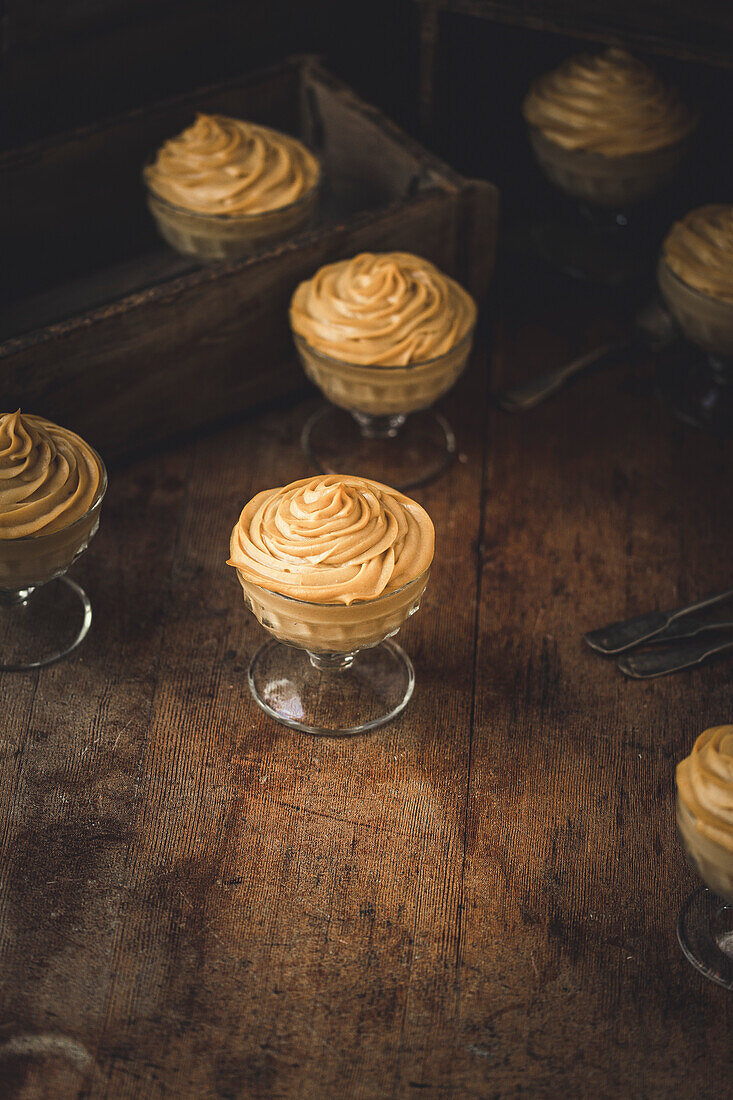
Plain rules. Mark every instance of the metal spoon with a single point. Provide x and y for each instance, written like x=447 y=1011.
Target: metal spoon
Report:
x=619 y=637
x=653 y=328
x=648 y=663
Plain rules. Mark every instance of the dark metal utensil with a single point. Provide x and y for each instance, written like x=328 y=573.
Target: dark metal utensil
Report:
x=621 y=636
x=685 y=628
x=649 y=663
x=540 y=388
x=652 y=327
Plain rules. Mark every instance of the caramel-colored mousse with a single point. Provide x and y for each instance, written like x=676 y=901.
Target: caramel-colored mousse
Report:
x=332 y=563
x=224 y=166
x=705 y=808
x=51 y=488
x=699 y=250
x=696 y=277
x=610 y=104
x=392 y=311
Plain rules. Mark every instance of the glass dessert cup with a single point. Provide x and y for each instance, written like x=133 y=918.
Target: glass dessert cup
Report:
x=332 y=669
x=699 y=388
x=705 y=922
x=211 y=238
x=379 y=419
x=44 y=614
x=608 y=182
x=604 y=242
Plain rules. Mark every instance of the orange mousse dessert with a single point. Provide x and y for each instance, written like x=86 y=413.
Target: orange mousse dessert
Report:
x=51 y=489
x=383 y=333
x=605 y=128
x=696 y=276
x=705 y=808
x=332 y=563
x=225 y=185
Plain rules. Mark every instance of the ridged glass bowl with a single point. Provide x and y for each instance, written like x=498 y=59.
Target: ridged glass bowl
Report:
x=379 y=392
x=699 y=388
x=705 y=923
x=707 y=322
x=614 y=182
x=39 y=605
x=332 y=668
x=376 y=437
x=211 y=238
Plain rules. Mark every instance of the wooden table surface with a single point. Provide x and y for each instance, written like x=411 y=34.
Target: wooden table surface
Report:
x=478 y=900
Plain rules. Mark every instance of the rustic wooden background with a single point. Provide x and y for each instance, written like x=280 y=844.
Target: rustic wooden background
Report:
x=70 y=62
x=476 y=901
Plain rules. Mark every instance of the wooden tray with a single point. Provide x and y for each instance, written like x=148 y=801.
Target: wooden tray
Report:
x=149 y=345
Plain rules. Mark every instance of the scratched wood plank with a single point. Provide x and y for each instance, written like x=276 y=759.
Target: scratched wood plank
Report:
x=598 y=507
x=269 y=886
x=312 y=873
x=199 y=903
x=73 y=737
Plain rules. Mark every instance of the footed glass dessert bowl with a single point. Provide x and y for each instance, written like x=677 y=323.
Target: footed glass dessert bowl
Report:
x=358 y=553
x=612 y=183
x=224 y=187
x=383 y=337
x=695 y=276
x=52 y=485
x=705 y=826
x=213 y=238
x=609 y=135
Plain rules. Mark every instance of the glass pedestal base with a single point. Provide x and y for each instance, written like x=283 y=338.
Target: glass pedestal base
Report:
x=40 y=625
x=596 y=245
x=400 y=451
x=332 y=694
x=698 y=389
x=705 y=934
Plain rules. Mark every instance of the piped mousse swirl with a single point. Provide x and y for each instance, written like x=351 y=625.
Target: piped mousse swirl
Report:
x=382 y=309
x=332 y=539
x=699 y=250
x=49 y=477
x=705 y=785
x=609 y=103
x=224 y=166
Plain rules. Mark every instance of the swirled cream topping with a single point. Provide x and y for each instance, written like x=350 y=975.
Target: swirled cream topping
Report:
x=608 y=103
x=382 y=309
x=332 y=539
x=705 y=784
x=49 y=477
x=699 y=249
x=222 y=165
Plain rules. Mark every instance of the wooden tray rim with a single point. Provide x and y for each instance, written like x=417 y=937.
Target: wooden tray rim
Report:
x=447 y=182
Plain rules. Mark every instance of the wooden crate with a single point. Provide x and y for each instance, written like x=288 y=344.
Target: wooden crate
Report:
x=150 y=346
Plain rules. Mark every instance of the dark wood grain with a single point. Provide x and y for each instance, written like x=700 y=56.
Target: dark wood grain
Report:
x=681 y=28
x=476 y=901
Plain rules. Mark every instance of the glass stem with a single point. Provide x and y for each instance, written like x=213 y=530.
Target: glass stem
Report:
x=601 y=218
x=722 y=370
x=14 y=597
x=379 y=427
x=721 y=928
x=331 y=662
